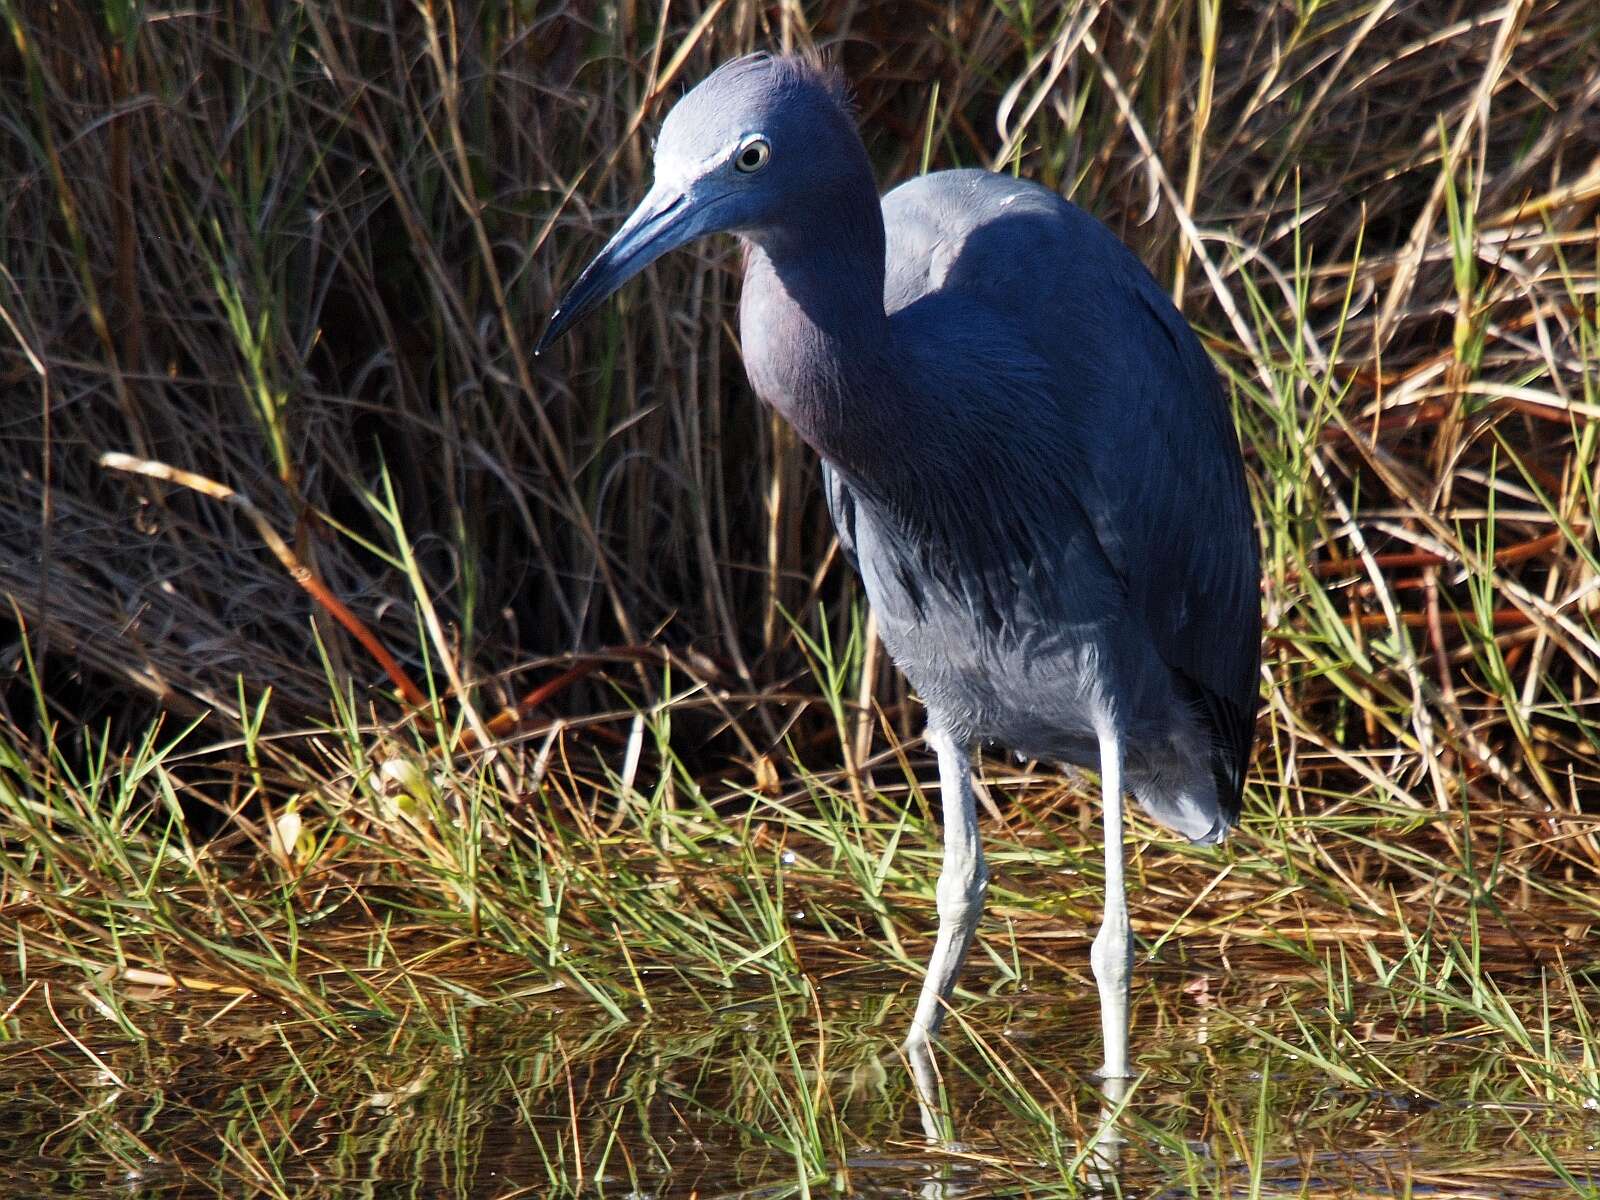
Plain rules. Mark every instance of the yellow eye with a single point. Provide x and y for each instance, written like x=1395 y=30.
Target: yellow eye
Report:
x=752 y=156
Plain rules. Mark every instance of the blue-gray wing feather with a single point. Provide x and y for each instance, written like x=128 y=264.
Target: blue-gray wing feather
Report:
x=1134 y=409
x=842 y=508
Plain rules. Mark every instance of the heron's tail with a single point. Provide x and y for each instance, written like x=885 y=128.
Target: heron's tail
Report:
x=1233 y=731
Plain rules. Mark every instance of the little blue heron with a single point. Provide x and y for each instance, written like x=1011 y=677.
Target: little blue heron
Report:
x=1027 y=456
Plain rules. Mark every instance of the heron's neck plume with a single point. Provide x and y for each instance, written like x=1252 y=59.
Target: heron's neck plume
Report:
x=816 y=338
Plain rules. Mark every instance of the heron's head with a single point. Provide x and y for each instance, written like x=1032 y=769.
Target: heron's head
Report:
x=762 y=146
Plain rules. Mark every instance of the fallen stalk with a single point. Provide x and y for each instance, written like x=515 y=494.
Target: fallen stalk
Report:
x=298 y=571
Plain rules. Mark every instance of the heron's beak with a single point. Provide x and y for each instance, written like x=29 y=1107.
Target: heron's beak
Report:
x=666 y=218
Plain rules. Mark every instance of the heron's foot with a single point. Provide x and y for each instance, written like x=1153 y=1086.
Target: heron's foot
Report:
x=1104 y=1161
x=918 y=1048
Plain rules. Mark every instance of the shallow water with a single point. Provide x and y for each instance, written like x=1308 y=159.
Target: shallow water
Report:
x=774 y=1095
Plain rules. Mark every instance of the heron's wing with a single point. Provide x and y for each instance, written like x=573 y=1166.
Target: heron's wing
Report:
x=1179 y=503
x=1124 y=397
x=842 y=508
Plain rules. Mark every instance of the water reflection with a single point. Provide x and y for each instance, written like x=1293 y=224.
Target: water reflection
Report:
x=1101 y=1154
x=761 y=1094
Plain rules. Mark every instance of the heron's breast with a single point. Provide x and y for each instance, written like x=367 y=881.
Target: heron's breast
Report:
x=1007 y=651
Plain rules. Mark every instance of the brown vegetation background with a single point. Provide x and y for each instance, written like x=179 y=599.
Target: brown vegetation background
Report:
x=303 y=250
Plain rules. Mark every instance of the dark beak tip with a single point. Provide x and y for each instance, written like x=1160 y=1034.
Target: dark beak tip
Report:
x=550 y=335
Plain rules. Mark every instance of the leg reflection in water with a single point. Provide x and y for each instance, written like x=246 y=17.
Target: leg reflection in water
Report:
x=1100 y=1161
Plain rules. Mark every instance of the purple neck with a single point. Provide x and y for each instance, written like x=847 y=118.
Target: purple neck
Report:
x=817 y=342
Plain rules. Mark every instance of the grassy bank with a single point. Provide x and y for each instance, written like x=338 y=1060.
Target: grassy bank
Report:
x=271 y=896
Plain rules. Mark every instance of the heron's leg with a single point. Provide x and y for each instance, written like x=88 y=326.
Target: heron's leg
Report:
x=962 y=884
x=1112 y=955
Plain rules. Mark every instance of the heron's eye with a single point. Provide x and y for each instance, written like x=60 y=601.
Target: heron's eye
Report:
x=752 y=156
